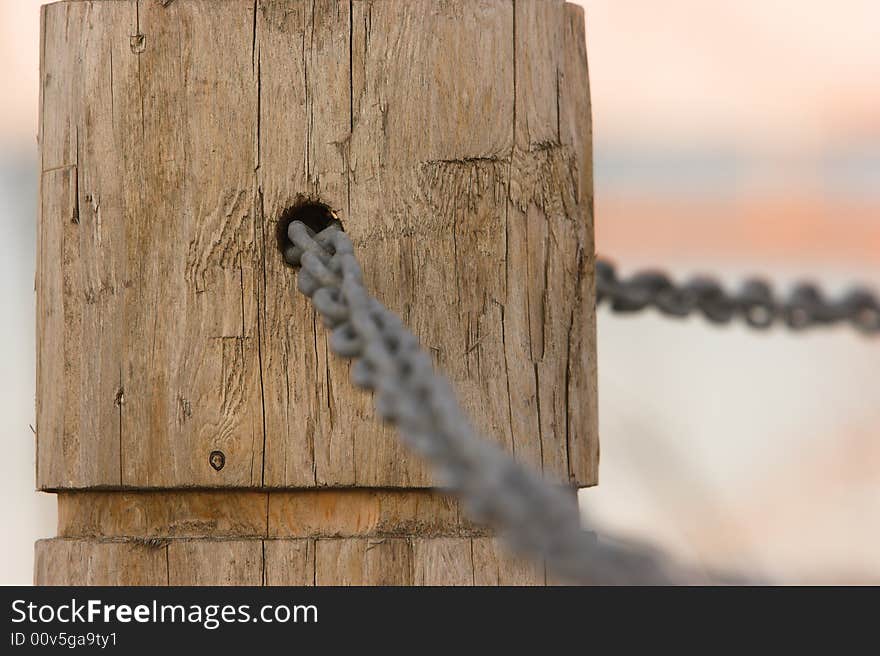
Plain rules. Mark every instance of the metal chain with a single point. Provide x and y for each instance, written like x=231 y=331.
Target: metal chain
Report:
x=755 y=302
x=535 y=517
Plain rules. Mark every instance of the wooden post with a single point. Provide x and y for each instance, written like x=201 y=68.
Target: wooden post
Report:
x=190 y=416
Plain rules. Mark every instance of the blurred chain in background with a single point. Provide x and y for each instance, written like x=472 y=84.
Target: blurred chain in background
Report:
x=755 y=303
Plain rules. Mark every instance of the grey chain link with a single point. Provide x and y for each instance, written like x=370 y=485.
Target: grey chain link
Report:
x=535 y=517
x=755 y=302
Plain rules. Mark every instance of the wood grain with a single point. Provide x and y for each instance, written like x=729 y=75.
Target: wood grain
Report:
x=157 y=258
x=289 y=561
x=90 y=562
x=444 y=561
x=378 y=513
x=250 y=513
x=186 y=396
x=161 y=515
x=495 y=565
x=168 y=324
x=301 y=56
x=215 y=562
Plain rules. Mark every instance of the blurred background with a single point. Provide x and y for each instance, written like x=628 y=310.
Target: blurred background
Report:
x=731 y=137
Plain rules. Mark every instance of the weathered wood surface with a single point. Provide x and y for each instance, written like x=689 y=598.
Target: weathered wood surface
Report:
x=297 y=537
x=251 y=513
x=150 y=266
x=452 y=139
x=292 y=561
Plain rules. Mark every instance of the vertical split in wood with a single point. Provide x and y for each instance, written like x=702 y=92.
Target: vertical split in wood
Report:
x=452 y=139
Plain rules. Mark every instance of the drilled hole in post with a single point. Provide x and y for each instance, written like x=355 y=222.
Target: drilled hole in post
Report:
x=314 y=215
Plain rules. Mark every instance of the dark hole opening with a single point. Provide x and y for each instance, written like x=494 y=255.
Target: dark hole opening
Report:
x=316 y=216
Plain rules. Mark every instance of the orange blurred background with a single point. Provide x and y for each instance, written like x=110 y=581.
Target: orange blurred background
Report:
x=730 y=137
x=742 y=129
x=740 y=137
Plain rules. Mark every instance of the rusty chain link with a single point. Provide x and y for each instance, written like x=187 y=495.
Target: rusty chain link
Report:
x=755 y=303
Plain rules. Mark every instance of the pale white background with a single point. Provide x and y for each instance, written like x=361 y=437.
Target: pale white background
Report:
x=731 y=136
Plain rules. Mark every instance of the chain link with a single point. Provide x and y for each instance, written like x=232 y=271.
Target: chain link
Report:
x=755 y=302
x=535 y=517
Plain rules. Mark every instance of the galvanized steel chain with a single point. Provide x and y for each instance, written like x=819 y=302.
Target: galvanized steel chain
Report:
x=536 y=517
x=755 y=303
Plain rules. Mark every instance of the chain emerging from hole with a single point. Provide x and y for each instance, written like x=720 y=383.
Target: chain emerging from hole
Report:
x=535 y=517
x=755 y=302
